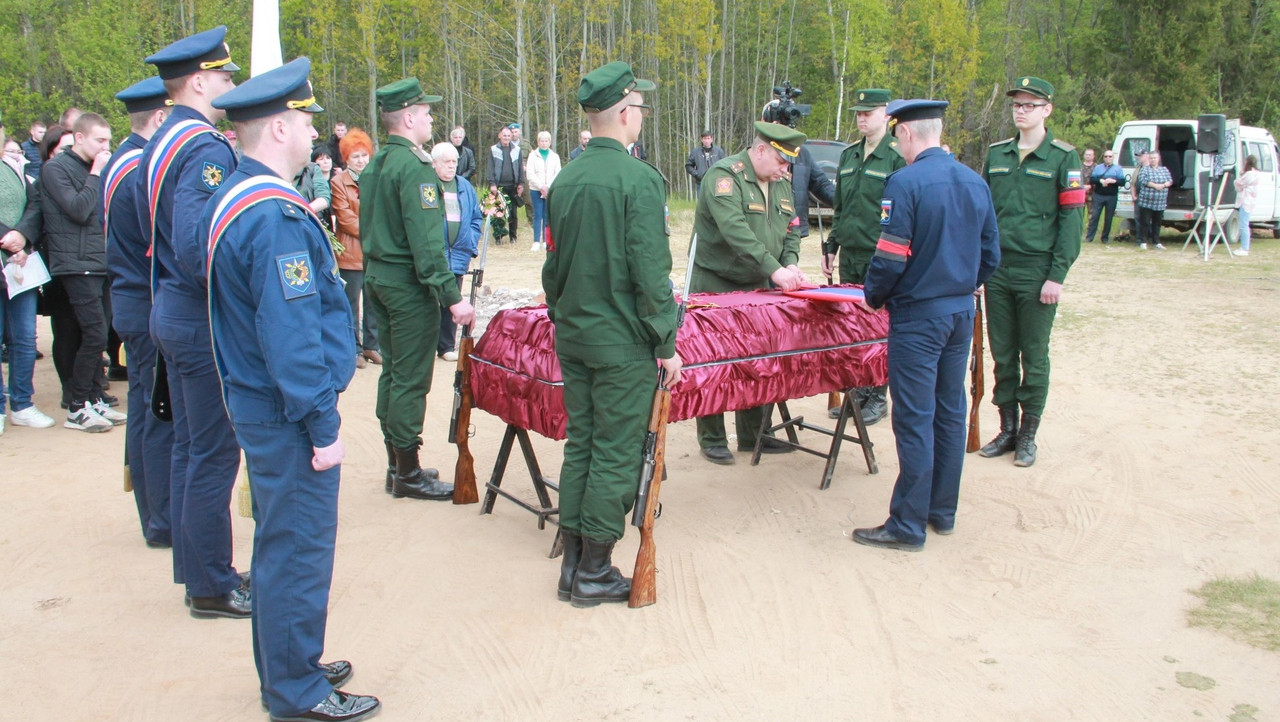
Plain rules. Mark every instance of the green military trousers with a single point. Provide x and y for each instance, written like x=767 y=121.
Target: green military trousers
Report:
x=747 y=422
x=608 y=406
x=1018 y=328
x=853 y=269
x=408 y=317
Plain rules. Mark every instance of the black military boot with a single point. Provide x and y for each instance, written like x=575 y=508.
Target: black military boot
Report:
x=1025 y=455
x=876 y=406
x=391 y=464
x=597 y=579
x=415 y=482
x=569 y=563
x=1007 y=438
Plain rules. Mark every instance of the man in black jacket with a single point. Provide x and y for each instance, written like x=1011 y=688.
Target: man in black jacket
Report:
x=71 y=205
x=702 y=157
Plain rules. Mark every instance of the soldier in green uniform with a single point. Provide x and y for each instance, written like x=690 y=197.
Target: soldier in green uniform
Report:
x=407 y=280
x=1039 y=195
x=748 y=238
x=608 y=283
x=864 y=168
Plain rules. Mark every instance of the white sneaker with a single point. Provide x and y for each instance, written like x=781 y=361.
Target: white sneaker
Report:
x=449 y=356
x=33 y=417
x=1241 y=252
x=1142 y=246
x=536 y=246
x=1160 y=246
x=84 y=418
x=1 y=424
x=115 y=417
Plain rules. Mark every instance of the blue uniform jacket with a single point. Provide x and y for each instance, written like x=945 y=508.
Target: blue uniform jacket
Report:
x=200 y=169
x=938 y=239
x=282 y=330
x=464 y=246
x=127 y=262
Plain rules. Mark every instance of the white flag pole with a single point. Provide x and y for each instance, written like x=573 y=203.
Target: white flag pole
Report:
x=265 y=52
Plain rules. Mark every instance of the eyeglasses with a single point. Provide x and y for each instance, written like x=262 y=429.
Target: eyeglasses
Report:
x=645 y=110
x=1026 y=106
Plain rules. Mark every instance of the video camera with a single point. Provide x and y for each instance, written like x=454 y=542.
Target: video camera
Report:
x=783 y=108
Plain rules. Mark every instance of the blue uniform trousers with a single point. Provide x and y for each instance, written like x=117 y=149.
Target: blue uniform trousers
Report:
x=296 y=510
x=206 y=457
x=927 y=360
x=148 y=441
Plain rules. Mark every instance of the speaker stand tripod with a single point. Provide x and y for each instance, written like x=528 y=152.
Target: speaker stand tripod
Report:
x=1213 y=231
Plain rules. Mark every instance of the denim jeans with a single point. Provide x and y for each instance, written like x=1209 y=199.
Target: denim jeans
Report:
x=1246 y=234
x=18 y=317
x=539 y=215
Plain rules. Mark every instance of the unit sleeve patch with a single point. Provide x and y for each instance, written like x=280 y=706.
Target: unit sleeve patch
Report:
x=295 y=275
x=430 y=197
x=212 y=174
x=886 y=210
x=724 y=187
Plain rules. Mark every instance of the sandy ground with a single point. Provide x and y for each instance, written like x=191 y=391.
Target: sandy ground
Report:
x=1062 y=595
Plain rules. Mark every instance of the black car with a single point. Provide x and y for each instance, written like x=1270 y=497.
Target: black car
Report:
x=826 y=153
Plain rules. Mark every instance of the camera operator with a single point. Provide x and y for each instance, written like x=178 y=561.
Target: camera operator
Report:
x=806 y=176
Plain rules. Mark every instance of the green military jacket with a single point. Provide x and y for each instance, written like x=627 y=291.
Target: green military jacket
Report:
x=859 y=190
x=608 y=270
x=742 y=239
x=402 y=220
x=1039 y=204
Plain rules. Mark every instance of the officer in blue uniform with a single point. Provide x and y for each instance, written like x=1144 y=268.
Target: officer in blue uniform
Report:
x=183 y=164
x=285 y=348
x=938 y=243
x=148 y=440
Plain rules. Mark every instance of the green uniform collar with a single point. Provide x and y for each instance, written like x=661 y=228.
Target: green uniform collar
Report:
x=1040 y=151
x=609 y=143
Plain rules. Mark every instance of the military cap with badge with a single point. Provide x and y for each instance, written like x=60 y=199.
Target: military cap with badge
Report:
x=275 y=91
x=144 y=95
x=402 y=94
x=203 y=51
x=786 y=140
x=1033 y=85
x=870 y=99
x=905 y=111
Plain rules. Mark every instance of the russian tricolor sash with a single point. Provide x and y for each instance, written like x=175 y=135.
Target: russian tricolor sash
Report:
x=124 y=166
x=247 y=194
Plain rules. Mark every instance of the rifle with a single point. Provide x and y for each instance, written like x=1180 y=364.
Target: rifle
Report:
x=976 y=389
x=464 y=473
x=644 y=583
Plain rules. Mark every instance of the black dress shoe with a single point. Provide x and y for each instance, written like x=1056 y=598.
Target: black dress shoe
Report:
x=235 y=604
x=339 y=706
x=109 y=400
x=117 y=373
x=880 y=537
x=875 y=409
x=943 y=530
x=337 y=673
x=770 y=445
x=719 y=455
x=159 y=544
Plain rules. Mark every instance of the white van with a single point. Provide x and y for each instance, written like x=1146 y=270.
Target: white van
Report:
x=1176 y=142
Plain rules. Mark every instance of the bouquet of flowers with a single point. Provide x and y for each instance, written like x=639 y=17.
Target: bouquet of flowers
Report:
x=495 y=205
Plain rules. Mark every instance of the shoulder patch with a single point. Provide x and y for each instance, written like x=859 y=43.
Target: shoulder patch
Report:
x=295 y=275
x=1062 y=144
x=724 y=186
x=421 y=154
x=738 y=166
x=886 y=210
x=212 y=174
x=430 y=197
x=1073 y=179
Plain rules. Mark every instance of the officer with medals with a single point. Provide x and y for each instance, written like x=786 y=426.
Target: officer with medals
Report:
x=1039 y=196
x=284 y=348
x=938 y=243
x=748 y=238
x=407 y=280
x=148 y=439
x=607 y=280
x=182 y=165
x=864 y=168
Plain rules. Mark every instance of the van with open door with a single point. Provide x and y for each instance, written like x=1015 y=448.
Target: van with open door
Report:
x=1193 y=188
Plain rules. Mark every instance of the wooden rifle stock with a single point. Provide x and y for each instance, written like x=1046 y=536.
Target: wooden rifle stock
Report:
x=976 y=375
x=464 y=473
x=644 y=583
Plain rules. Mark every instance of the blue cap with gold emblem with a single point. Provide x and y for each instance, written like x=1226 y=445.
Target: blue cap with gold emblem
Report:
x=275 y=91
x=144 y=95
x=203 y=51
x=904 y=111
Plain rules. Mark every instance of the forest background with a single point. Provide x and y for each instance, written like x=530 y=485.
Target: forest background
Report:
x=716 y=61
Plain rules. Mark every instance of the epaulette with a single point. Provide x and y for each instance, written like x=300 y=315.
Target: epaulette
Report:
x=291 y=210
x=738 y=166
x=893 y=145
x=1002 y=142
x=1062 y=144
x=422 y=155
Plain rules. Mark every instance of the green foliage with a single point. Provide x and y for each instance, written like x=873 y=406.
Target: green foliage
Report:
x=1246 y=609
x=499 y=61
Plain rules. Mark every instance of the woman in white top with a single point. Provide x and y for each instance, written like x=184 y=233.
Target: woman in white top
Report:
x=542 y=168
x=1247 y=187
